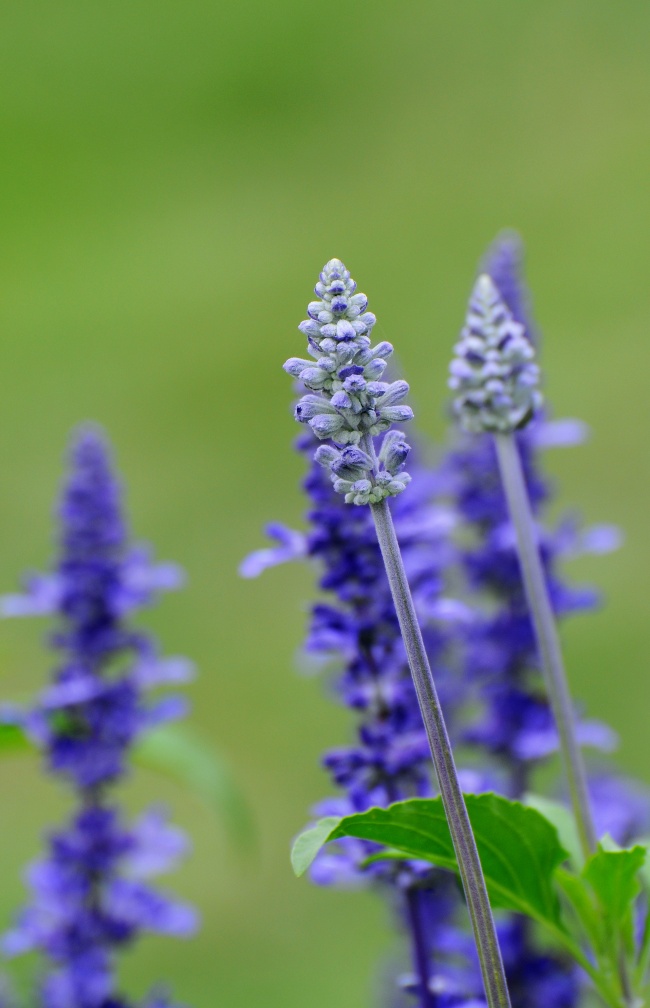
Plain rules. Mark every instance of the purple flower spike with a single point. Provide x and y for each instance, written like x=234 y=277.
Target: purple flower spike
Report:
x=503 y=261
x=89 y=897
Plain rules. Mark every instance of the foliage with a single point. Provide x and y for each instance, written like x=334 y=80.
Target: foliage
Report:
x=589 y=910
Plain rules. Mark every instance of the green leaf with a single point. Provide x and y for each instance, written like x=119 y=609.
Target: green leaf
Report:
x=14 y=741
x=308 y=843
x=560 y=816
x=181 y=753
x=613 y=875
x=518 y=847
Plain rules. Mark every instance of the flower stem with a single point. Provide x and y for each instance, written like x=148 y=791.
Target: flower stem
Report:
x=420 y=951
x=548 y=641
x=469 y=865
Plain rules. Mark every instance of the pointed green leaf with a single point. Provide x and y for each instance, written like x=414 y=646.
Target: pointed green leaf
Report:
x=309 y=842
x=519 y=849
x=613 y=875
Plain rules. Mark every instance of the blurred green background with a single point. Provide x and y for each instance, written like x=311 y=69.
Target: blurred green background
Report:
x=173 y=177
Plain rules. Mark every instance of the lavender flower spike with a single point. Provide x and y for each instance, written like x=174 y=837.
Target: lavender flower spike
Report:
x=493 y=373
x=350 y=406
x=90 y=891
x=496 y=381
x=349 y=402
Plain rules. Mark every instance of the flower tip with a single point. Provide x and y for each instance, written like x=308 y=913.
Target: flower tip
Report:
x=485 y=288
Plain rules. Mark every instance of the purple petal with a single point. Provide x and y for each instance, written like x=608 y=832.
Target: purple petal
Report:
x=601 y=539
x=157 y=845
x=163 y=672
x=559 y=433
x=141 y=907
x=41 y=598
x=292 y=546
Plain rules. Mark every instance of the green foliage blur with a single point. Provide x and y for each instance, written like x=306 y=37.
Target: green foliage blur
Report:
x=174 y=175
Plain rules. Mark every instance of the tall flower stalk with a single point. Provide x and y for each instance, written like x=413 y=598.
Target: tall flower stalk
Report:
x=350 y=405
x=496 y=384
x=90 y=895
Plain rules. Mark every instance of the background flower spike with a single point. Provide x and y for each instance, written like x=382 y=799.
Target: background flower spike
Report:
x=496 y=383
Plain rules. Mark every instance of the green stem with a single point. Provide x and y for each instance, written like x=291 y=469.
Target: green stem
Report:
x=607 y=991
x=548 y=641
x=471 y=873
x=550 y=651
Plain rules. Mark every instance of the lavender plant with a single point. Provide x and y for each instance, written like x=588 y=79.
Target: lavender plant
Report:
x=90 y=895
x=517 y=726
x=351 y=407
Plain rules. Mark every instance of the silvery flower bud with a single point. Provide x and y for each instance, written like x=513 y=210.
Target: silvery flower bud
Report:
x=394 y=394
x=326 y=425
x=493 y=374
x=351 y=402
x=394 y=451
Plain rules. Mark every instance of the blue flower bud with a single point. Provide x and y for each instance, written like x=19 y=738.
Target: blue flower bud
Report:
x=310 y=406
x=394 y=394
x=493 y=373
x=352 y=464
x=351 y=369
x=325 y=455
x=383 y=349
x=396 y=414
x=326 y=425
x=354 y=383
x=368 y=320
x=295 y=365
x=394 y=451
x=345 y=330
x=313 y=377
x=375 y=368
x=310 y=328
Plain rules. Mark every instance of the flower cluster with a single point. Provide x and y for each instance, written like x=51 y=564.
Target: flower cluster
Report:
x=348 y=402
x=354 y=474
x=493 y=373
x=90 y=895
